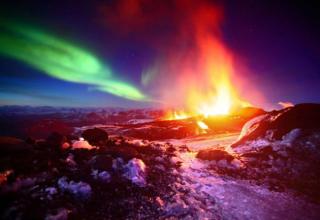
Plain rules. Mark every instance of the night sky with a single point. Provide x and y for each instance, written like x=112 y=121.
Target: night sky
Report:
x=276 y=44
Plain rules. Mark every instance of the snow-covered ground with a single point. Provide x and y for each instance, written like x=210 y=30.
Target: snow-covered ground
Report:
x=206 y=141
x=201 y=193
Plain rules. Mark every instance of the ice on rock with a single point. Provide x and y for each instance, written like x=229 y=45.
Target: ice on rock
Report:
x=135 y=171
x=51 y=190
x=263 y=142
x=102 y=175
x=249 y=146
x=70 y=160
x=288 y=138
x=105 y=176
x=78 y=189
x=117 y=164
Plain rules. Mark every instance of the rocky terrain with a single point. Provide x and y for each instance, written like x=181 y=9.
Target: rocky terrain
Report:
x=258 y=166
x=280 y=149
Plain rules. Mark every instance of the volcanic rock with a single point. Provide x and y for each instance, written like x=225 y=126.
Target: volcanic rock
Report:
x=95 y=136
x=11 y=145
x=214 y=155
x=303 y=116
x=125 y=152
x=101 y=162
x=56 y=140
x=283 y=148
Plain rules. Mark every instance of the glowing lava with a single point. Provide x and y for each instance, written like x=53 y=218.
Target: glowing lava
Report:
x=202 y=125
x=206 y=81
x=176 y=115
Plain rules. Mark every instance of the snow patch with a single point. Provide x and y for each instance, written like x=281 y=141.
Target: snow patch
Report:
x=266 y=141
x=78 y=189
x=70 y=160
x=102 y=175
x=252 y=146
x=291 y=136
x=117 y=164
x=135 y=171
x=50 y=192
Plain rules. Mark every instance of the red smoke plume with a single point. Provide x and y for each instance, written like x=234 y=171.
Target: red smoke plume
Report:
x=192 y=65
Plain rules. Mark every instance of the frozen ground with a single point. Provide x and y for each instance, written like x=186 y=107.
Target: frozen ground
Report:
x=151 y=170
x=207 y=194
x=207 y=141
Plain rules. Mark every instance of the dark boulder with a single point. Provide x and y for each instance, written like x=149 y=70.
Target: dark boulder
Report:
x=56 y=140
x=125 y=152
x=214 y=155
x=101 y=162
x=303 y=116
x=95 y=136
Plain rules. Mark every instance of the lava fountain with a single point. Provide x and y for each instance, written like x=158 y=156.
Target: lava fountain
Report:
x=202 y=75
x=219 y=95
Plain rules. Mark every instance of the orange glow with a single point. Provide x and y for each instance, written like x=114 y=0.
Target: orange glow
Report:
x=193 y=71
x=202 y=125
x=207 y=83
x=219 y=95
x=176 y=115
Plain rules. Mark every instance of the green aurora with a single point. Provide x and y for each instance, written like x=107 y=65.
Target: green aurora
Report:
x=62 y=60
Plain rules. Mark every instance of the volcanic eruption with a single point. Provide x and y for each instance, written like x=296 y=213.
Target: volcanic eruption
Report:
x=193 y=72
x=140 y=109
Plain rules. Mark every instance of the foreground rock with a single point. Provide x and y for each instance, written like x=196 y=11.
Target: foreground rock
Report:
x=215 y=155
x=118 y=179
x=11 y=145
x=95 y=136
x=279 y=123
x=282 y=149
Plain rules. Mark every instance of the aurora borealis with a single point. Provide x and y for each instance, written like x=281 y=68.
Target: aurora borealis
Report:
x=60 y=59
x=142 y=53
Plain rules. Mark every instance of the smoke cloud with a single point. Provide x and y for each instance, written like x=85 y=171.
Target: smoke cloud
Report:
x=191 y=59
